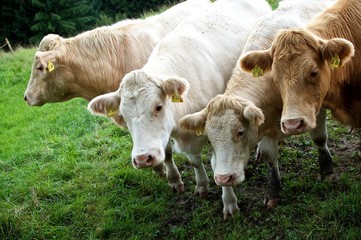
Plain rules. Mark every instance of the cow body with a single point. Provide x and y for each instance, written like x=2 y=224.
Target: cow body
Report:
x=93 y=63
x=250 y=109
x=189 y=66
x=317 y=66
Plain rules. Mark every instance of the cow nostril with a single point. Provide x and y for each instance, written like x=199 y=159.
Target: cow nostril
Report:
x=301 y=124
x=150 y=159
x=25 y=98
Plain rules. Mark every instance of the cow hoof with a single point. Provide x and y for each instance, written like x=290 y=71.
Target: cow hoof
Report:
x=271 y=203
x=328 y=178
x=202 y=192
x=230 y=212
x=178 y=187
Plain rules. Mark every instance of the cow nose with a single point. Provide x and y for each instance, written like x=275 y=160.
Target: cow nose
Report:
x=225 y=179
x=25 y=98
x=143 y=161
x=293 y=126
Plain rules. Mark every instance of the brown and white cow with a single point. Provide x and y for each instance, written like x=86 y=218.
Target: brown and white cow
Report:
x=250 y=109
x=93 y=63
x=187 y=68
x=317 y=66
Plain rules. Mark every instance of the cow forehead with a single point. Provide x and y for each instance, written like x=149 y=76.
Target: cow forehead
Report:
x=225 y=119
x=293 y=43
x=135 y=86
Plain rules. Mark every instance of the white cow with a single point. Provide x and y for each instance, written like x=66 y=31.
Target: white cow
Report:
x=234 y=121
x=93 y=63
x=186 y=69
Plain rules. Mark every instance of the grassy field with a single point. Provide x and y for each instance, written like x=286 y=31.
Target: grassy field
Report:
x=65 y=174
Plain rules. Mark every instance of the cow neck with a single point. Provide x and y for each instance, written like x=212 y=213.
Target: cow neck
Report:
x=98 y=69
x=264 y=94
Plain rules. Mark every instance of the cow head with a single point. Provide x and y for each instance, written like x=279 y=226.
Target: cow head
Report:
x=231 y=124
x=301 y=65
x=144 y=105
x=48 y=76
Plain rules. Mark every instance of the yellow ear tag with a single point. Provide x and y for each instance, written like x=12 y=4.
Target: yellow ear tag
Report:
x=335 y=61
x=111 y=112
x=199 y=131
x=50 y=67
x=176 y=98
x=257 y=71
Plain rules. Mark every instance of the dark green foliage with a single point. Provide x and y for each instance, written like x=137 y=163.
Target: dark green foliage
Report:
x=16 y=17
x=119 y=9
x=26 y=22
x=63 y=17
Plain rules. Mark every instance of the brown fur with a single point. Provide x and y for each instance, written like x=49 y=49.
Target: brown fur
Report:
x=343 y=98
x=300 y=62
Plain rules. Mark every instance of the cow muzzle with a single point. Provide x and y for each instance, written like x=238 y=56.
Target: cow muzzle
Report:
x=294 y=126
x=143 y=161
x=229 y=179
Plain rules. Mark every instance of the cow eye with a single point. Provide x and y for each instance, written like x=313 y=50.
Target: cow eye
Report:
x=314 y=73
x=240 y=132
x=40 y=68
x=158 y=108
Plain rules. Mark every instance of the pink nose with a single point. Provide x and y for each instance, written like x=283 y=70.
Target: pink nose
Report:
x=143 y=161
x=293 y=126
x=225 y=179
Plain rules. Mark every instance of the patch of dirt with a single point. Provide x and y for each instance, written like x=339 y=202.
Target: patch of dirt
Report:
x=298 y=158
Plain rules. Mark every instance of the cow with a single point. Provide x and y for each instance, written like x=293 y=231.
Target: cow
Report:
x=93 y=62
x=249 y=111
x=317 y=66
x=187 y=68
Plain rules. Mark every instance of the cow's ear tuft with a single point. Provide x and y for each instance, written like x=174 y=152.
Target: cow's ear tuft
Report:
x=337 y=51
x=195 y=122
x=254 y=115
x=257 y=62
x=176 y=88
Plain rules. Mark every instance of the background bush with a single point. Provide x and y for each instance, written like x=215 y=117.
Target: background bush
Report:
x=26 y=22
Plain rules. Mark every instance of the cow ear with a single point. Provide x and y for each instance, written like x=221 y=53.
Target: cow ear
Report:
x=257 y=62
x=254 y=115
x=45 y=61
x=338 y=51
x=176 y=88
x=107 y=105
x=49 y=42
x=194 y=122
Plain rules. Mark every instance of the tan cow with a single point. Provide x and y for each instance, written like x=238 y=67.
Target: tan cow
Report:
x=314 y=67
x=93 y=63
x=250 y=110
x=186 y=69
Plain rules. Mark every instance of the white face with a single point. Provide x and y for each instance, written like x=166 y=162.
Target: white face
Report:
x=148 y=114
x=233 y=139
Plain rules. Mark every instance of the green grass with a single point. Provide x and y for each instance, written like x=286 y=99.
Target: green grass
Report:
x=65 y=174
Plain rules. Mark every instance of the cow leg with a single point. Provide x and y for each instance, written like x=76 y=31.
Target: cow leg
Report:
x=202 y=180
x=229 y=198
x=172 y=173
x=319 y=137
x=160 y=169
x=268 y=150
